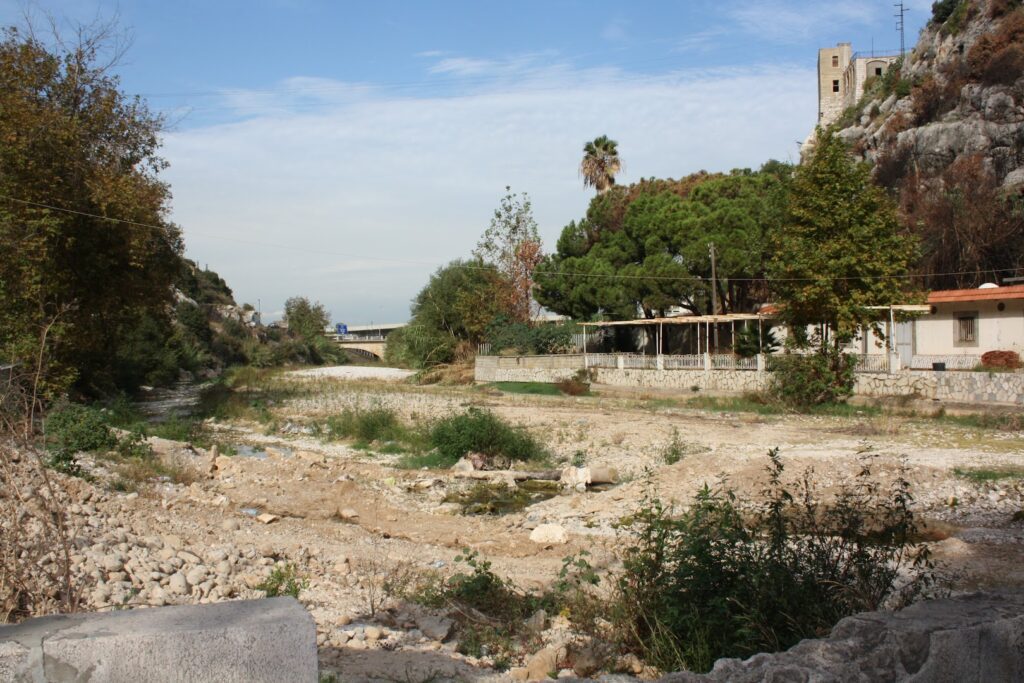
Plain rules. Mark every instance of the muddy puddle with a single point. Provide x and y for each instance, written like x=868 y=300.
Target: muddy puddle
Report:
x=499 y=498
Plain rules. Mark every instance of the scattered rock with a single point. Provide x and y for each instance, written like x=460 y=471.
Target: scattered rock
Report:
x=267 y=518
x=538 y=622
x=585 y=662
x=549 y=534
x=463 y=465
x=435 y=628
x=178 y=584
x=542 y=664
x=230 y=525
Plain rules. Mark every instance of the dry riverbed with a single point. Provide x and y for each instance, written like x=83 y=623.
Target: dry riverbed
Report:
x=352 y=523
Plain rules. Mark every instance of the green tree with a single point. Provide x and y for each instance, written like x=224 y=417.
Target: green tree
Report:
x=83 y=228
x=306 y=320
x=645 y=247
x=450 y=315
x=841 y=249
x=600 y=164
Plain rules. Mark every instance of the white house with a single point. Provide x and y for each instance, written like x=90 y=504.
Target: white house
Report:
x=959 y=326
x=966 y=323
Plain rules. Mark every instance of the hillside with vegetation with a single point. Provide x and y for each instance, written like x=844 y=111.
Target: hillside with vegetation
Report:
x=944 y=129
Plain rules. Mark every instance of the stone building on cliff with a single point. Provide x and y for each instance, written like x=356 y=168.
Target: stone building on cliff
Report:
x=842 y=74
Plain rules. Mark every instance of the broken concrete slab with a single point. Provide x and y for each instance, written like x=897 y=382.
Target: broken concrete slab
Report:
x=243 y=641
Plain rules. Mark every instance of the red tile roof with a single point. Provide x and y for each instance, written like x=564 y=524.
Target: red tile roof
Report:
x=946 y=296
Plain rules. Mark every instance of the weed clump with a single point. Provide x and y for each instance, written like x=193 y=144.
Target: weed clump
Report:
x=284 y=580
x=481 y=431
x=714 y=582
x=374 y=424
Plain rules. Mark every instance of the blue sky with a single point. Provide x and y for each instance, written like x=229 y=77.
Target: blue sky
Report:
x=343 y=150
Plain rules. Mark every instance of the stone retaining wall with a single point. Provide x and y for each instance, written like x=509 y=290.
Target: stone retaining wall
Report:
x=959 y=387
x=246 y=641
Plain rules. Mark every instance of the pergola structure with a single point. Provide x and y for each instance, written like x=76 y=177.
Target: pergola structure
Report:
x=699 y=320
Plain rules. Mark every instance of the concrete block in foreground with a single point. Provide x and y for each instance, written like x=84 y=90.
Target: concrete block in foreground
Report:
x=244 y=641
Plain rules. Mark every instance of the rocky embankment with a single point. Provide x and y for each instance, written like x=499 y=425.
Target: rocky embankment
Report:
x=960 y=93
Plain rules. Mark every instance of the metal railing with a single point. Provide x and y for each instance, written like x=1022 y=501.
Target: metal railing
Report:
x=872 y=362
x=693 y=361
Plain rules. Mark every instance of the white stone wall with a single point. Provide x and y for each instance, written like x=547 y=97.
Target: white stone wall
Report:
x=958 y=387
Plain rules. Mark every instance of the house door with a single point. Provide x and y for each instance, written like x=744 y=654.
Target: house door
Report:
x=905 y=342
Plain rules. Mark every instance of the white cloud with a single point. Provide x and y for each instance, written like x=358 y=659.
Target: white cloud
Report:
x=356 y=200
x=463 y=66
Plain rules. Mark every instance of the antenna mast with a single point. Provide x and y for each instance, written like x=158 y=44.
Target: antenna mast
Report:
x=900 y=12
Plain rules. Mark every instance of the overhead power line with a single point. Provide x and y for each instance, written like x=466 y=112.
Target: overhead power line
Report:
x=610 y=276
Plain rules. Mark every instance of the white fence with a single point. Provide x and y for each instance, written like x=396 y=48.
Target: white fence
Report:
x=872 y=362
x=694 y=361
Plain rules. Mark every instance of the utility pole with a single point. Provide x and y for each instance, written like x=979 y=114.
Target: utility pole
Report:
x=714 y=289
x=900 y=12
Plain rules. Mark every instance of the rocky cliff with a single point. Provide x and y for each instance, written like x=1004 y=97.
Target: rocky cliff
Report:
x=944 y=130
x=959 y=93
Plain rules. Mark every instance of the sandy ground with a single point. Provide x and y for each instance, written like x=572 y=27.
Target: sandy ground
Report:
x=353 y=372
x=352 y=521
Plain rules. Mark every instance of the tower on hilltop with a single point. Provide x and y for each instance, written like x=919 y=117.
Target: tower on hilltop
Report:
x=842 y=75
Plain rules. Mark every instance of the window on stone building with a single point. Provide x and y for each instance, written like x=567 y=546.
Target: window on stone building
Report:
x=878 y=71
x=835 y=86
x=835 y=61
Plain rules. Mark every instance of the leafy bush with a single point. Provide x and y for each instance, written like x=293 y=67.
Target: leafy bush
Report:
x=942 y=9
x=802 y=381
x=481 y=431
x=284 y=580
x=373 y=424
x=418 y=346
x=954 y=22
x=505 y=335
x=713 y=583
x=71 y=428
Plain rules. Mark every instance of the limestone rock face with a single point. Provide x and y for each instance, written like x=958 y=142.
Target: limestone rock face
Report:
x=970 y=639
x=975 y=118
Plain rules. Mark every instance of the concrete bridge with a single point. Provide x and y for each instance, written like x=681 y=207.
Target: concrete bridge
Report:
x=367 y=340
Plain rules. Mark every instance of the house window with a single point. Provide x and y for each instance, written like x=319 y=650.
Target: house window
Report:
x=835 y=61
x=835 y=86
x=967 y=329
x=878 y=71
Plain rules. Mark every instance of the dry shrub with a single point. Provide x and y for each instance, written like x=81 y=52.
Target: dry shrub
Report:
x=36 y=538
x=892 y=165
x=1001 y=359
x=996 y=57
x=966 y=226
x=1005 y=67
x=932 y=99
x=998 y=8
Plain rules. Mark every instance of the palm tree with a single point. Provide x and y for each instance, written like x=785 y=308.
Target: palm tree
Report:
x=600 y=164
